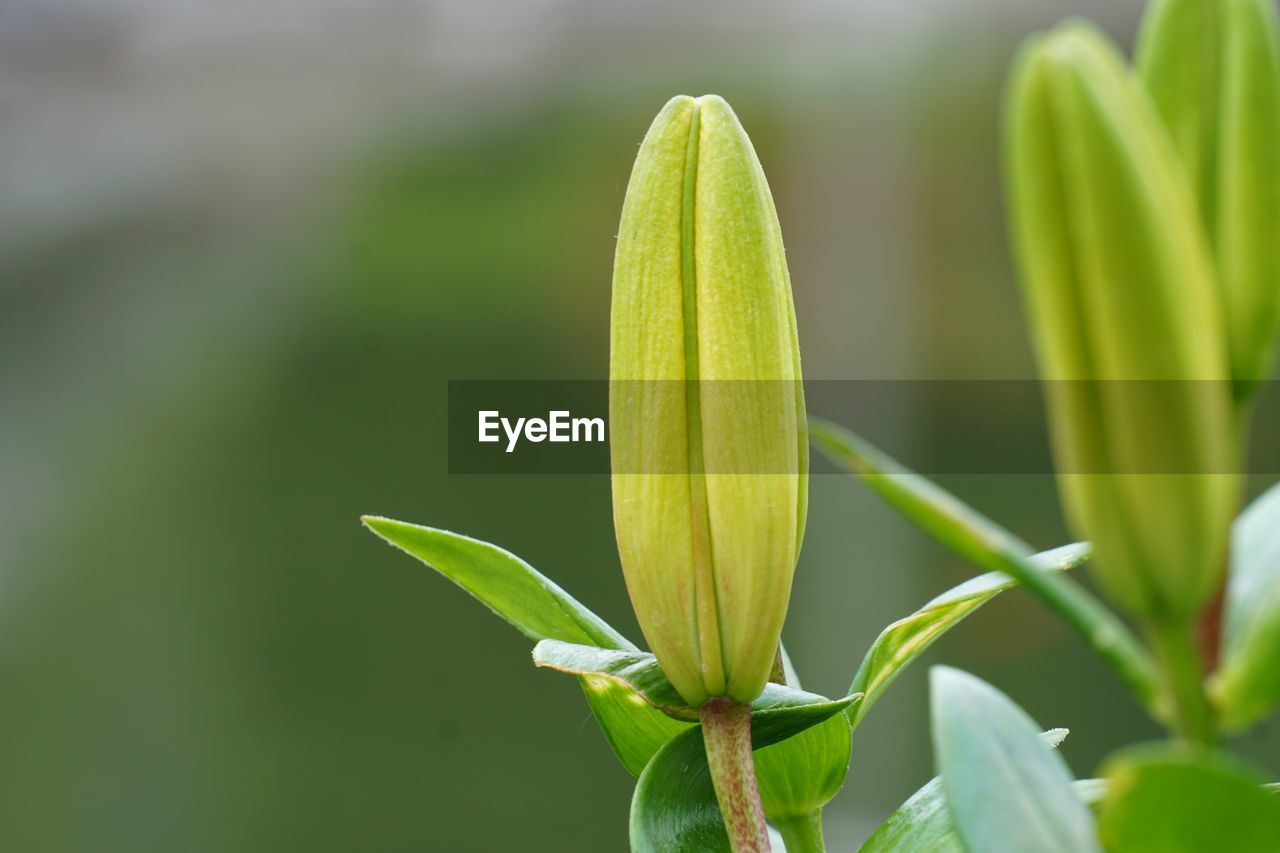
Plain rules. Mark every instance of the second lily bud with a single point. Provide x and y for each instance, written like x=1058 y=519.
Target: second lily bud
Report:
x=1123 y=306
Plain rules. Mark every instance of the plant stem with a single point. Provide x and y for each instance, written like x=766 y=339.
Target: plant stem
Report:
x=1175 y=644
x=802 y=834
x=983 y=542
x=726 y=731
x=1100 y=627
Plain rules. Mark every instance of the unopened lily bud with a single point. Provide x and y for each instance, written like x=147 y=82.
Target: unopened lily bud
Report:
x=1213 y=71
x=706 y=420
x=1126 y=320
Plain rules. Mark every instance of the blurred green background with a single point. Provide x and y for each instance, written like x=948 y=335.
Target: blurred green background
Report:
x=243 y=247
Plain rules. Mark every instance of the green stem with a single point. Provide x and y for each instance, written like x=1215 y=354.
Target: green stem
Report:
x=726 y=731
x=1175 y=644
x=802 y=834
x=1100 y=627
x=982 y=541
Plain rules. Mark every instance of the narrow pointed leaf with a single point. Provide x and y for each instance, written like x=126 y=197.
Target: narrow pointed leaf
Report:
x=781 y=712
x=503 y=582
x=905 y=640
x=1247 y=686
x=540 y=610
x=1007 y=789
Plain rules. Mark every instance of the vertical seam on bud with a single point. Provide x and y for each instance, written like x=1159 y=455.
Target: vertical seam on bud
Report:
x=710 y=645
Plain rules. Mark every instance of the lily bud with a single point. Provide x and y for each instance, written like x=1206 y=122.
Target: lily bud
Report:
x=1125 y=316
x=1213 y=70
x=706 y=412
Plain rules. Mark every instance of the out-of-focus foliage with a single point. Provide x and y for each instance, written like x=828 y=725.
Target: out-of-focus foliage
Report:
x=1247 y=684
x=1213 y=72
x=1124 y=311
x=1168 y=800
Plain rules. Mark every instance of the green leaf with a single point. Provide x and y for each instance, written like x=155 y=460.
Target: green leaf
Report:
x=923 y=823
x=640 y=675
x=634 y=729
x=1006 y=788
x=540 y=610
x=507 y=585
x=1247 y=686
x=674 y=808
x=905 y=640
x=984 y=543
x=1163 y=799
x=802 y=773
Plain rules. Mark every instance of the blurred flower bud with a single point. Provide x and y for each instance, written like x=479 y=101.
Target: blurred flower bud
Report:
x=1122 y=305
x=706 y=422
x=1213 y=71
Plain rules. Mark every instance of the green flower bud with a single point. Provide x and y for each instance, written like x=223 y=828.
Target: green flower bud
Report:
x=1213 y=70
x=1120 y=293
x=706 y=413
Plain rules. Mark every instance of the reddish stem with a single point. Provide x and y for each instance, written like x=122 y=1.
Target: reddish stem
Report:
x=726 y=731
x=1209 y=629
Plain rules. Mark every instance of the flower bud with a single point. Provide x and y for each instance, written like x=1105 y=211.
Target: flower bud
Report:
x=1213 y=72
x=706 y=412
x=1123 y=308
